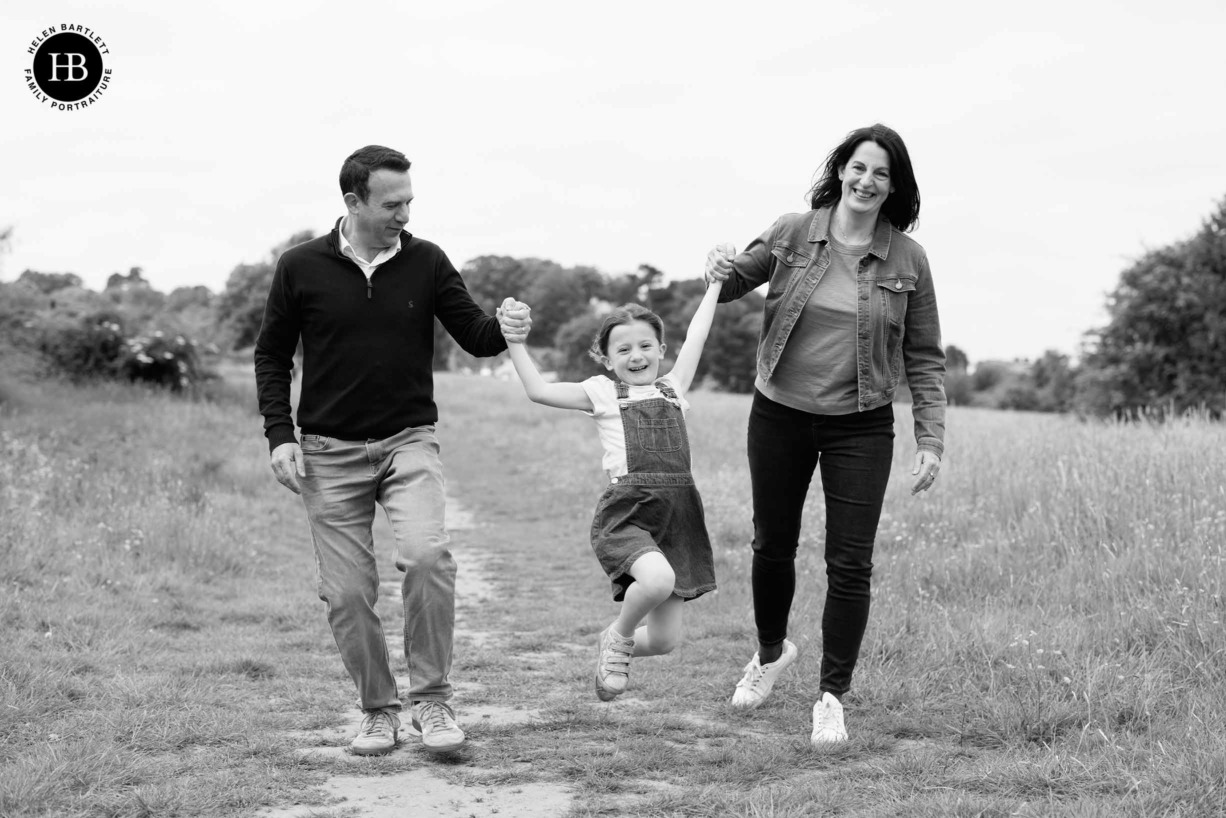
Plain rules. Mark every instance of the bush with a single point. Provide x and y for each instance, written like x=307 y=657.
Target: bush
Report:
x=572 y=341
x=959 y=388
x=731 y=352
x=96 y=347
x=1022 y=397
x=987 y=375
x=89 y=348
x=1165 y=345
x=161 y=360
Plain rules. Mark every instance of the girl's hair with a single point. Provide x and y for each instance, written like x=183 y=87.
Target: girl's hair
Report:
x=625 y=314
x=902 y=206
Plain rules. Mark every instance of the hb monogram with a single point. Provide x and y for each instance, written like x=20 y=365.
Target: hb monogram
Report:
x=74 y=63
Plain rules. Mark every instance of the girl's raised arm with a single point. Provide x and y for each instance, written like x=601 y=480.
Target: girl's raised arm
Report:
x=695 y=338
x=559 y=395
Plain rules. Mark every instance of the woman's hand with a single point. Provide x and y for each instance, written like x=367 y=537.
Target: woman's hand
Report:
x=927 y=465
x=719 y=263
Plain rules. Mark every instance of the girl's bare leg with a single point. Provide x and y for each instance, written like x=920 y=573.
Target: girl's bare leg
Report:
x=652 y=586
x=662 y=631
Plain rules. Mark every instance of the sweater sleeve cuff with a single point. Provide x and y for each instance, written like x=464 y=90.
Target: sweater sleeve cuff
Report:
x=281 y=433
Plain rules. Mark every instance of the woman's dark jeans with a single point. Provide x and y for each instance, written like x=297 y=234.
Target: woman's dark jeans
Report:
x=854 y=452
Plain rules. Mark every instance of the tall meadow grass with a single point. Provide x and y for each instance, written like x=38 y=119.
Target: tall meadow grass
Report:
x=1046 y=636
x=135 y=529
x=1052 y=610
x=1060 y=588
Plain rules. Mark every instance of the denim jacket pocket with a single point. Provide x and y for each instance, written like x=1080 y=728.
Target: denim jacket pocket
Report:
x=660 y=434
x=789 y=271
x=790 y=256
x=896 y=291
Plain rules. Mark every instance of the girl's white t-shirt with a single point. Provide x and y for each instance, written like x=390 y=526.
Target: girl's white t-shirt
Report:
x=602 y=391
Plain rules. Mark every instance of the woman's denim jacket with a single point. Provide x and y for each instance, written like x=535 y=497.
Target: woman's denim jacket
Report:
x=897 y=328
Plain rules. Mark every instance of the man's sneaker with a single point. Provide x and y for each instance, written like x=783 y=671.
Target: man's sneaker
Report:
x=377 y=735
x=756 y=684
x=828 y=722
x=613 y=664
x=436 y=723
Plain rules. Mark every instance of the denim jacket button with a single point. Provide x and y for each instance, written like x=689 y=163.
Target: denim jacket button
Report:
x=898 y=285
x=791 y=257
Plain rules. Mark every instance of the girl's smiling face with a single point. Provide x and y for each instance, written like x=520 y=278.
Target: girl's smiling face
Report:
x=634 y=353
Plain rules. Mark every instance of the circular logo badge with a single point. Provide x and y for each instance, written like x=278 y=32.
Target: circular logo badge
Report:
x=68 y=71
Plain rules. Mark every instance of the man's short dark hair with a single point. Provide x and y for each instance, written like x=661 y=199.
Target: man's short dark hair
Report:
x=355 y=173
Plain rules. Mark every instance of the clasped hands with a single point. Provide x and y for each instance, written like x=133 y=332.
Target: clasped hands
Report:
x=515 y=320
x=719 y=263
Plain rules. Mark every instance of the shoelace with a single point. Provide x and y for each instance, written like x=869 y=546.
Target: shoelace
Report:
x=828 y=722
x=752 y=681
x=433 y=715
x=377 y=724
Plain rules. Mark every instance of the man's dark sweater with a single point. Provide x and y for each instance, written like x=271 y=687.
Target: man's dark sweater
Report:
x=367 y=349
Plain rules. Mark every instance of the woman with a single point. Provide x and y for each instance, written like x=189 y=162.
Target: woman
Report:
x=849 y=307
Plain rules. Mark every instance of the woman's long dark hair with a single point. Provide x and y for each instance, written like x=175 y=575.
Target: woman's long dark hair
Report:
x=902 y=206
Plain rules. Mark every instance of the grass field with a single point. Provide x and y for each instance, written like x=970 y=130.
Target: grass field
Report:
x=1046 y=638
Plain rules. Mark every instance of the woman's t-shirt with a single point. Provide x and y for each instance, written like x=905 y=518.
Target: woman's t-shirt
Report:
x=817 y=368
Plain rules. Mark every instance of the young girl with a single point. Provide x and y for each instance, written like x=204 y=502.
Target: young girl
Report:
x=649 y=532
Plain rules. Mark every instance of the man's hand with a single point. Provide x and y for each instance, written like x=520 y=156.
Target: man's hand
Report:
x=288 y=466
x=719 y=263
x=515 y=320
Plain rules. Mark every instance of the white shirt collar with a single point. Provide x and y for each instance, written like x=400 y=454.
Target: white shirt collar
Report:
x=368 y=267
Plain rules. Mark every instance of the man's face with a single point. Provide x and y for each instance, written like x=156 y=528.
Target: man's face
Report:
x=377 y=222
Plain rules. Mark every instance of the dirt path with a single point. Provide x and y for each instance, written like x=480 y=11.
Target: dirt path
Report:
x=422 y=790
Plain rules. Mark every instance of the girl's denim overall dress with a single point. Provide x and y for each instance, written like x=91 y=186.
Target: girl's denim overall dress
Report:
x=655 y=506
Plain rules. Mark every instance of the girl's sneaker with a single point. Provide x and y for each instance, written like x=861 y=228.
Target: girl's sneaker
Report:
x=828 y=722
x=756 y=684
x=613 y=664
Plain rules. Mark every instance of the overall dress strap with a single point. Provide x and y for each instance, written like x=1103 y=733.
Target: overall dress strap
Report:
x=665 y=387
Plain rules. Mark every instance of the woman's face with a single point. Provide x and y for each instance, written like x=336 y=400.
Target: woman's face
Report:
x=866 y=179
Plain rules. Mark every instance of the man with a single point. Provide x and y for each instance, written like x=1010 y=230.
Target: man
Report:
x=363 y=300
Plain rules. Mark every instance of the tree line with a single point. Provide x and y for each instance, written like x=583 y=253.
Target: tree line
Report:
x=1163 y=349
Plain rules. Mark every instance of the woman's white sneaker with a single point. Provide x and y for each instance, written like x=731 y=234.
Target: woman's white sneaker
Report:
x=756 y=684
x=828 y=725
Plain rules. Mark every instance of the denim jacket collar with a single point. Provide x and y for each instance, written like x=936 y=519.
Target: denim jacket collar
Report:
x=819 y=230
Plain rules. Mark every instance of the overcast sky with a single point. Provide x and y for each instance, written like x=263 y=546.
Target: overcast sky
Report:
x=1053 y=142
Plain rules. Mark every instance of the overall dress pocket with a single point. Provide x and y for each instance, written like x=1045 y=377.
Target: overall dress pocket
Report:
x=660 y=434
